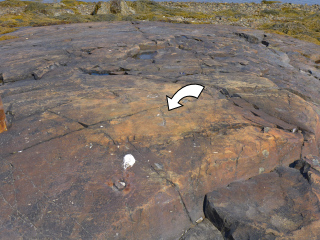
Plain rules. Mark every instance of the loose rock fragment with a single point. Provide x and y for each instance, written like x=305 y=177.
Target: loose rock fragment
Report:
x=128 y=161
x=120 y=185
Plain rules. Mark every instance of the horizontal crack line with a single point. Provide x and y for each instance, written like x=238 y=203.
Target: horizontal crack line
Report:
x=50 y=139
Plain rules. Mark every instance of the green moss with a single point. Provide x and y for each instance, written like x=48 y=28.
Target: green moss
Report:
x=4 y=30
x=12 y=3
x=27 y=19
x=7 y=37
x=37 y=7
x=270 y=12
x=299 y=24
x=72 y=3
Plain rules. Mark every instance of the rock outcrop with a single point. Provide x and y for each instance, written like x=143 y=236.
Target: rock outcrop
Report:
x=268 y=206
x=87 y=97
x=114 y=7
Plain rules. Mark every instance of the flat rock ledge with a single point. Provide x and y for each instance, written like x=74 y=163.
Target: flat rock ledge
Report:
x=92 y=151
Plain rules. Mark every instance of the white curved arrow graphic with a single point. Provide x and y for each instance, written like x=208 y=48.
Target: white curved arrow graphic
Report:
x=192 y=90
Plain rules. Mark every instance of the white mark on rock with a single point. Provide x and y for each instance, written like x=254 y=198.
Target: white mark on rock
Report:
x=294 y=130
x=261 y=170
x=199 y=220
x=159 y=165
x=215 y=152
x=315 y=162
x=128 y=161
x=266 y=129
x=153 y=96
x=265 y=153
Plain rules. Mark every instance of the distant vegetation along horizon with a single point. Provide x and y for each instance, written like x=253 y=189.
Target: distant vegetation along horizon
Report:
x=310 y=2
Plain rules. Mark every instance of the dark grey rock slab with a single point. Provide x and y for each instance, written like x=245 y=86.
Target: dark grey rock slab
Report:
x=266 y=206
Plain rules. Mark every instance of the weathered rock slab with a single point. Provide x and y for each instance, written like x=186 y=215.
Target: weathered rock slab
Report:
x=79 y=100
x=267 y=206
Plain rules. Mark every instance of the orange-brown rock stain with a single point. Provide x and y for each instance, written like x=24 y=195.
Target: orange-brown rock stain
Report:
x=3 y=126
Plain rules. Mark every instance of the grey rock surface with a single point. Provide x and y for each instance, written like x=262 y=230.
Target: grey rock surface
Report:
x=267 y=206
x=204 y=230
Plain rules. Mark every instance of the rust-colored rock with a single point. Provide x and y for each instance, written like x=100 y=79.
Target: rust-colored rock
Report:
x=100 y=95
x=3 y=125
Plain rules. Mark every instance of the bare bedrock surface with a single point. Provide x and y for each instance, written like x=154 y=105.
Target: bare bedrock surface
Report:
x=79 y=98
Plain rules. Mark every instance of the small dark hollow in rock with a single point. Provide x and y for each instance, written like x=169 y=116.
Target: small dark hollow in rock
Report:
x=235 y=95
x=1 y=79
x=317 y=61
x=146 y=55
x=255 y=114
x=303 y=167
x=225 y=92
x=83 y=124
x=98 y=73
x=265 y=43
x=95 y=72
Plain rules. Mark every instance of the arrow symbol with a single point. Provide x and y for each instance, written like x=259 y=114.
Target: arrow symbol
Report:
x=192 y=90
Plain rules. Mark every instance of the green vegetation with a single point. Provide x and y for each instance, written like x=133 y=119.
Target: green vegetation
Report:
x=13 y=3
x=72 y=3
x=4 y=30
x=306 y=28
x=6 y=37
x=282 y=20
